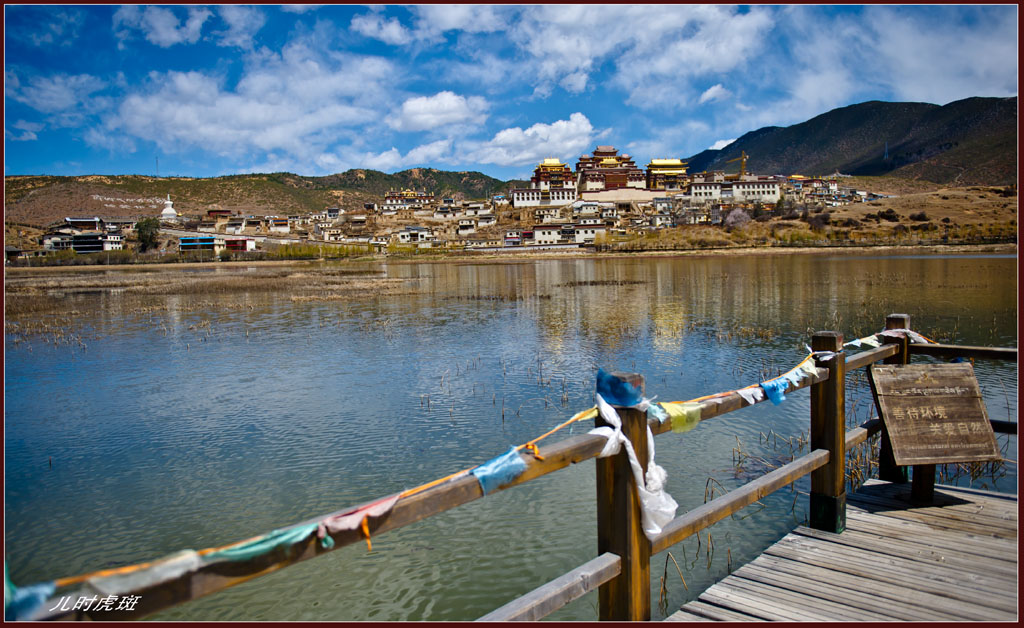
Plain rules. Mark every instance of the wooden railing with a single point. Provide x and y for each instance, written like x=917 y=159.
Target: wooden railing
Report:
x=621 y=572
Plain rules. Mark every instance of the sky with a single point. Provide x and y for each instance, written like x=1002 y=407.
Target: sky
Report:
x=203 y=91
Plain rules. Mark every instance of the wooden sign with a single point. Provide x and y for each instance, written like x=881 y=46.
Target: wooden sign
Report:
x=934 y=413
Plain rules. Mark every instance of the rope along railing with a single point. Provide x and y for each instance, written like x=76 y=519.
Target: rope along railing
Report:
x=190 y=574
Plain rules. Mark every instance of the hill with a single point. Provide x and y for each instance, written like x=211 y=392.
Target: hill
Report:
x=967 y=142
x=41 y=200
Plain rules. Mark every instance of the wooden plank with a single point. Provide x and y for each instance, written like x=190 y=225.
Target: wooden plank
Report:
x=830 y=586
x=933 y=578
x=885 y=592
x=735 y=401
x=961 y=351
x=684 y=615
x=979 y=493
x=720 y=595
x=800 y=600
x=717 y=613
x=978 y=579
x=721 y=507
x=942 y=518
x=552 y=596
x=934 y=413
x=929 y=537
x=946 y=504
x=885 y=545
x=983 y=545
x=864 y=358
x=989 y=499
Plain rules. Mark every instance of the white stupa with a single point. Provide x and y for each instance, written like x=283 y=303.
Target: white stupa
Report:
x=168 y=214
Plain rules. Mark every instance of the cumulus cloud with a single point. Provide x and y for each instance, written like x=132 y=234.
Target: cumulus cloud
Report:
x=299 y=8
x=388 y=31
x=440 y=110
x=43 y=26
x=243 y=24
x=159 y=25
x=294 y=105
x=59 y=93
x=720 y=144
x=905 y=55
x=436 y=19
x=713 y=93
x=516 y=146
x=28 y=129
x=393 y=159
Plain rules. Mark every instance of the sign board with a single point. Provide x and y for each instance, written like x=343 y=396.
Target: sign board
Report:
x=933 y=412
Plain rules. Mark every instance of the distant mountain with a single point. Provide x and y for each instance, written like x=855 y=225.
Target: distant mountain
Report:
x=40 y=200
x=967 y=142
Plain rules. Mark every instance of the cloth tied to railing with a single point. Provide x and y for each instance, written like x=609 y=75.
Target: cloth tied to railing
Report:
x=499 y=471
x=352 y=519
x=20 y=603
x=914 y=337
x=656 y=506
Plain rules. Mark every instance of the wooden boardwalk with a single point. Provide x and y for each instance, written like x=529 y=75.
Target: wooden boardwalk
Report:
x=953 y=561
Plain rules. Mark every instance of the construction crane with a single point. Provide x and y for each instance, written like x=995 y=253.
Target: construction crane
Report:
x=743 y=163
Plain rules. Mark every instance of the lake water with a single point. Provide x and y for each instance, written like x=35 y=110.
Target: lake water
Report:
x=207 y=419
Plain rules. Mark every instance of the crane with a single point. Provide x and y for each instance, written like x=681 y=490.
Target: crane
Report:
x=743 y=162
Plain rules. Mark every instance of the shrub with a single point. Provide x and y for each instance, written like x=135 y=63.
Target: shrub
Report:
x=890 y=215
x=919 y=217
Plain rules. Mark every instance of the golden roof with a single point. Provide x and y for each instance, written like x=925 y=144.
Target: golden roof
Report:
x=668 y=162
x=551 y=161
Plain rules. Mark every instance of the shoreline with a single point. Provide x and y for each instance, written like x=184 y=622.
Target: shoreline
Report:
x=522 y=255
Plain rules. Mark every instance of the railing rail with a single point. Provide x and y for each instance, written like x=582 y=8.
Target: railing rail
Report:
x=609 y=572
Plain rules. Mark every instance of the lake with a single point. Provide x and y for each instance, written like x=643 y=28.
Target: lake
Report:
x=194 y=419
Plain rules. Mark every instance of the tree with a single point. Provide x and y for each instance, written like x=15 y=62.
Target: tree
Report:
x=736 y=218
x=147 y=231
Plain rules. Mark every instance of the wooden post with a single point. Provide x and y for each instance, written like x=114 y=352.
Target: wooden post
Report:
x=828 y=431
x=888 y=470
x=627 y=597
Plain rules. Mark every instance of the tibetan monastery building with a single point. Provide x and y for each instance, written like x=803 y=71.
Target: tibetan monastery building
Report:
x=552 y=184
x=666 y=174
x=407 y=199
x=607 y=170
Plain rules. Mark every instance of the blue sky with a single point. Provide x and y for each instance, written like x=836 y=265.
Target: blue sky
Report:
x=214 y=90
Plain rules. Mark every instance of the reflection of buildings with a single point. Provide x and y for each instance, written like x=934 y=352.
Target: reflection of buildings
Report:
x=607 y=170
x=552 y=183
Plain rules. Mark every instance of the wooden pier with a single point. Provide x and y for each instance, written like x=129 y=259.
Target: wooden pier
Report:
x=954 y=560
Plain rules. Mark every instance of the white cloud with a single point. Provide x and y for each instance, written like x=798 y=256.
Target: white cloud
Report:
x=388 y=31
x=299 y=8
x=720 y=144
x=436 y=19
x=59 y=93
x=160 y=26
x=59 y=28
x=243 y=24
x=28 y=129
x=905 y=55
x=440 y=110
x=515 y=146
x=713 y=93
x=293 y=105
x=393 y=159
